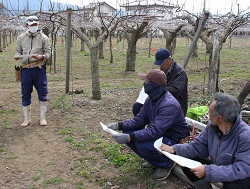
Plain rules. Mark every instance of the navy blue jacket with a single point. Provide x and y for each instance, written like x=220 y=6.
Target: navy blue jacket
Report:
x=163 y=117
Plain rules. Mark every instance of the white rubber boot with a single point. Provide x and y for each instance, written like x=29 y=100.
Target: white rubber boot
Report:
x=26 y=113
x=43 y=109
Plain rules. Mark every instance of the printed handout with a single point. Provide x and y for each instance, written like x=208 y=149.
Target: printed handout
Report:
x=111 y=131
x=182 y=161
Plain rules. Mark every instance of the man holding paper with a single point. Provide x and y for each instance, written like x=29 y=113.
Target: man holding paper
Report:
x=161 y=116
x=223 y=148
x=32 y=49
x=177 y=81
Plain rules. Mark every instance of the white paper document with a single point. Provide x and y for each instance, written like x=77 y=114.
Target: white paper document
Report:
x=142 y=96
x=182 y=161
x=24 y=55
x=111 y=131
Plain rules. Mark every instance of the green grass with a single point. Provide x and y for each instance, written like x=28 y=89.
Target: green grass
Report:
x=112 y=153
x=80 y=185
x=52 y=181
x=37 y=176
x=88 y=167
x=66 y=131
x=6 y=122
x=61 y=102
x=13 y=111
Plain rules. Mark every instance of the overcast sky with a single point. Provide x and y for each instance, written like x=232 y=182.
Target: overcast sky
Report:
x=193 y=6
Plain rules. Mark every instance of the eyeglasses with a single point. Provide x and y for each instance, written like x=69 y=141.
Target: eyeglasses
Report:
x=31 y=20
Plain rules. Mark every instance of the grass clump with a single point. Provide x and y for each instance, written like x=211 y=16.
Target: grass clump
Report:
x=37 y=177
x=61 y=102
x=126 y=162
x=52 y=181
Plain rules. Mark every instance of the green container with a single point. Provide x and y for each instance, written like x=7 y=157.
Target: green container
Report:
x=197 y=112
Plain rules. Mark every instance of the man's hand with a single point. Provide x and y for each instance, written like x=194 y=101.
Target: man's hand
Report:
x=122 y=138
x=199 y=171
x=167 y=148
x=38 y=56
x=113 y=126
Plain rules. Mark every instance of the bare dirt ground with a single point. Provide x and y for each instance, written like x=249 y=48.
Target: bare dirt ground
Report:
x=34 y=149
x=39 y=157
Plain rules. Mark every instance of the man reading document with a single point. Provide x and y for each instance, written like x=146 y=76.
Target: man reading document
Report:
x=160 y=116
x=223 y=148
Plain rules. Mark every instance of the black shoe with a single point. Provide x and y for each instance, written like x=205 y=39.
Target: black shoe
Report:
x=147 y=164
x=162 y=173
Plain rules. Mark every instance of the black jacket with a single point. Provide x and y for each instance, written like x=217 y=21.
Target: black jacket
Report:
x=177 y=82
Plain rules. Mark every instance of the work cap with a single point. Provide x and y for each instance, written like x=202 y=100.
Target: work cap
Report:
x=156 y=76
x=32 y=20
x=161 y=55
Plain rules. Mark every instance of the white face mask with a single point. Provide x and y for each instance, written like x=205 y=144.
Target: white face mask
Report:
x=33 y=29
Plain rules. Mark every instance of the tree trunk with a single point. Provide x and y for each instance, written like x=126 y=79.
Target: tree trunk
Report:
x=10 y=38
x=195 y=51
x=196 y=37
x=214 y=66
x=82 y=46
x=150 y=45
x=96 y=92
x=119 y=36
x=244 y=93
x=230 y=42
x=82 y=41
x=132 y=37
x=101 y=55
x=170 y=37
x=131 y=55
x=168 y=40
x=1 y=45
x=190 y=35
x=111 y=49
x=174 y=45
x=4 y=39
x=54 y=53
x=47 y=32
x=100 y=46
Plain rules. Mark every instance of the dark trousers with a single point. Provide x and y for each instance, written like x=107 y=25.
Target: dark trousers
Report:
x=136 y=108
x=238 y=184
x=147 y=151
x=33 y=77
